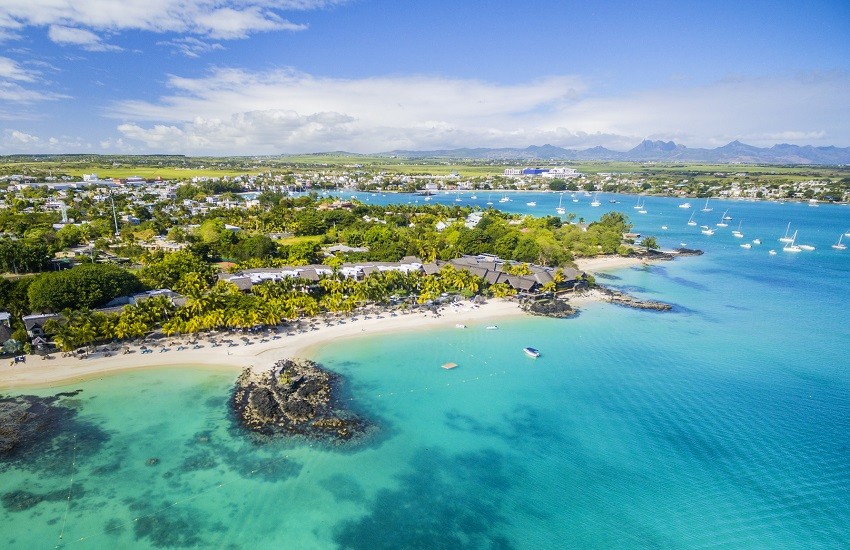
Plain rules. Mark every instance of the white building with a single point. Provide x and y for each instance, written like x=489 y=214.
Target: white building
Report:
x=561 y=173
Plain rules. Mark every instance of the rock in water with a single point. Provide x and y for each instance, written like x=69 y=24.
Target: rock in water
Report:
x=558 y=309
x=295 y=398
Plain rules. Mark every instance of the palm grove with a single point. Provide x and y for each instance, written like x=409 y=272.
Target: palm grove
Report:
x=382 y=233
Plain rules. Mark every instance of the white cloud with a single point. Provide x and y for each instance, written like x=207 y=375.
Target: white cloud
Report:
x=237 y=111
x=21 y=137
x=17 y=141
x=190 y=46
x=75 y=22
x=10 y=70
x=70 y=36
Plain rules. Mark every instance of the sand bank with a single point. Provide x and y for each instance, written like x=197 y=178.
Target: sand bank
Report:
x=260 y=351
x=605 y=263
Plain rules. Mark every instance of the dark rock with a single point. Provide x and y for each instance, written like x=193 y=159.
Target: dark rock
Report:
x=623 y=299
x=153 y=461
x=553 y=307
x=297 y=399
x=689 y=252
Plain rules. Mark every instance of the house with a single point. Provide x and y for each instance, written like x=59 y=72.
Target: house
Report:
x=34 y=324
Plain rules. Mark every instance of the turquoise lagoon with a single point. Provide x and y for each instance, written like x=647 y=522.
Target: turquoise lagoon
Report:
x=724 y=423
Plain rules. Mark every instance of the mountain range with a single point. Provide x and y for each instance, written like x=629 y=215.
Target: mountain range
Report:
x=734 y=152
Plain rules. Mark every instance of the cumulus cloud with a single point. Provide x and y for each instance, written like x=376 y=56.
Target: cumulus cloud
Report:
x=76 y=23
x=69 y=36
x=17 y=141
x=238 y=111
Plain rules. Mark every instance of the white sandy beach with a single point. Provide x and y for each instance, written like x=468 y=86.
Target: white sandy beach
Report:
x=38 y=372
x=605 y=263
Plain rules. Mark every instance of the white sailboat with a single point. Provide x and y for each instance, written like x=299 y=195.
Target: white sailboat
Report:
x=722 y=222
x=637 y=206
x=786 y=238
x=561 y=210
x=575 y=199
x=489 y=200
x=531 y=203
x=504 y=199
x=839 y=245
x=691 y=220
x=737 y=233
x=791 y=247
x=706 y=208
x=707 y=231
x=596 y=200
x=685 y=205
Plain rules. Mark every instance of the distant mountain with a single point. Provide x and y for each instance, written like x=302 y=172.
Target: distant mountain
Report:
x=734 y=152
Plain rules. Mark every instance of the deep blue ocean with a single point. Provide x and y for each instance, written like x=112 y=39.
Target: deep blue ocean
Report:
x=723 y=423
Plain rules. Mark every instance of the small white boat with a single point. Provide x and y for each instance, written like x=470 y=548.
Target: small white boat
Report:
x=493 y=327
x=722 y=222
x=685 y=205
x=813 y=202
x=641 y=211
x=561 y=210
x=772 y=252
x=473 y=197
x=460 y=325
x=427 y=199
x=449 y=366
x=458 y=199
x=839 y=245
x=706 y=208
x=504 y=199
x=531 y=352
x=596 y=201
x=531 y=203
x=756 y=241
x=786 y=238
x=573 y=196
x=707 y=231
x=791 y=247
x=664 y=227
x=746 y=245
x=806 y=247
x=691 y=220
x=737 y=233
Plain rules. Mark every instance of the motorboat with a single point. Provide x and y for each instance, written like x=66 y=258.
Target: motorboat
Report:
x=531 y=203
x=746 y=245
x=531 y=352
x=492 y=327
x=685 y=205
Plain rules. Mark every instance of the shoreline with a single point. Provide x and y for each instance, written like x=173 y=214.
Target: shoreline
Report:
x=257 y=350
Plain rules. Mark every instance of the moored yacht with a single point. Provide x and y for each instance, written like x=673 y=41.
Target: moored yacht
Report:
x=531 y=352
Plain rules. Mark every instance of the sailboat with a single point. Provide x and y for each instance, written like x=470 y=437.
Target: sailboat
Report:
x=722 y=222
x=595 y=200
x=839 y=245
x=561 y=210
x=489 y=200
x=691 y=220
x=637 y=206
x=504 y=199
x=737 y=233
x=575 y=199
x=786 y=238
x=706 y=208
x=791 y=247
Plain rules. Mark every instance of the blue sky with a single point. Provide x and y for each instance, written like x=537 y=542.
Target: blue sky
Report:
x=285 y=76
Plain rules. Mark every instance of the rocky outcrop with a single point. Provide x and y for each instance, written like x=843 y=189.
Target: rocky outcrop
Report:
x=295 y=398
x=553 y=307
x=623 y=299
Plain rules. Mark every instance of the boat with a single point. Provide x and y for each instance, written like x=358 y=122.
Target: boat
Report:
x=756 y=241
x=427 y=199
x=531 y=352
x=706 y=208
x=685 y=205
x=458 y=199
x=489 y=200
x=613 y=201
x=449 y=366
x=737 y=233
x=813 y=202
x=839 y=245
x=786 y=238
x=691 y=220
x=707 y=231
x=492 y=327
x=573 y=196
x=791 y=247
x=772 y=252
x=746 y=245
x=637 y=206
x=806 y=247
x=460 y=325
x=561 y=210
x=504 y=199
x=531 y=203
x=722 y=222
x=664 y=227
x=725 y=217
x=847 y=234
x=595 y=201
x=473 y=197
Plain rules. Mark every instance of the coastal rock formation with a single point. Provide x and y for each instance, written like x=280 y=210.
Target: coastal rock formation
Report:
x=689 y=252
x=623 y=299
x=553 y=307
x=295 y=398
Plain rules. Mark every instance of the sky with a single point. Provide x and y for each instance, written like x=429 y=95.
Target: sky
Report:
x=268 y=77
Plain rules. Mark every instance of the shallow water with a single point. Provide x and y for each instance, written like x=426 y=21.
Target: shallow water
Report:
x=722 y=423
